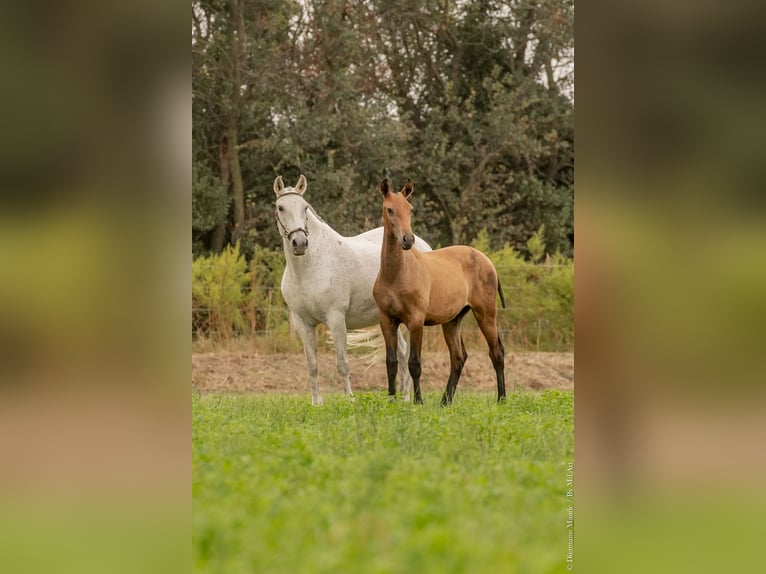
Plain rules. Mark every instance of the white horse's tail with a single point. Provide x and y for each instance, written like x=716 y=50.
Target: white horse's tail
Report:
x=370 y=338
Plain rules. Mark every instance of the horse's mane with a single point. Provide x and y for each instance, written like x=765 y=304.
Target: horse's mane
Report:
x=311 y=207
x=319 y=217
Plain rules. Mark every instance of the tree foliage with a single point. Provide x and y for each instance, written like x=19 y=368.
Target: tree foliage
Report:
x=210 y=204
x=472 y=100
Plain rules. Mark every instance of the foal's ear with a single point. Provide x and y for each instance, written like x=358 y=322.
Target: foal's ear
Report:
x=384 y=189
x=279 y=186
x=301 y=186
x=408 y=188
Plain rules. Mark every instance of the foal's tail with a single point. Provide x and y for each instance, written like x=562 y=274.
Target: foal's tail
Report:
x=500 y=292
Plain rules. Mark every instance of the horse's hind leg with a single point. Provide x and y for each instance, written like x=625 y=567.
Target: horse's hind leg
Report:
x=308 y=336
x=486 y=318
x=457 y=357
x=405 y=379
x=337 y=325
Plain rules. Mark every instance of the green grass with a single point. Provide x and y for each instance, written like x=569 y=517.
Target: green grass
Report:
x=372 y=486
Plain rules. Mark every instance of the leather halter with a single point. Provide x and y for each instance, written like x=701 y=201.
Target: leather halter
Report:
x=286 y=234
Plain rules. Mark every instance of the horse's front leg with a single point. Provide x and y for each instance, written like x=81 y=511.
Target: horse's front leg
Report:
x=337 y=325
x=404 y=373
x=416 y=342
x=389 y=327
x=308 y=336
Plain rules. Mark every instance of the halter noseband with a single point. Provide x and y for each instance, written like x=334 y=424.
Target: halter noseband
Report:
x=286 y=234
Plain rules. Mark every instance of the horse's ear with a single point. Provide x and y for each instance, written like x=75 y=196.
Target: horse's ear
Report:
x=384 y=189
x=279 y=186
x=302 y=185
x=408 y=188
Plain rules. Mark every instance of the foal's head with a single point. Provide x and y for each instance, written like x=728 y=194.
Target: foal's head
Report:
x=396 y=212
x=292 y=214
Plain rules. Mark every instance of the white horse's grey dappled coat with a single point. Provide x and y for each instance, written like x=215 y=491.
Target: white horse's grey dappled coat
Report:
x=328 y=279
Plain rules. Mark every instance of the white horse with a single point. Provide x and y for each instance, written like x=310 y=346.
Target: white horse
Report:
x=328 y=279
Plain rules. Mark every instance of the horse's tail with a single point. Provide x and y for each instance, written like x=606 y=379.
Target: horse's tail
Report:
x=369 y=338
x=372 y=338
x=500 y=292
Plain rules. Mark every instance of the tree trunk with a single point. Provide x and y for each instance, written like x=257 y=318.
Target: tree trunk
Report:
x=218 y=238
x=234 y=111
x=237 y=189
x=219 y=233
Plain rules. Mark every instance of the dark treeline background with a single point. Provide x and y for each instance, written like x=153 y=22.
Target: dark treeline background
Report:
x=472 y=100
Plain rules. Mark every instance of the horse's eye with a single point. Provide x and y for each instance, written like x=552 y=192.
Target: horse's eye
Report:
x=279 y=207
x=390 y=211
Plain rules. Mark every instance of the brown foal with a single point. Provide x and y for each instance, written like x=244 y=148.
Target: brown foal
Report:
x=433 y=288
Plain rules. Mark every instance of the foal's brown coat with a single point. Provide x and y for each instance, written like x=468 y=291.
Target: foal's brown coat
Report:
x=433 y=288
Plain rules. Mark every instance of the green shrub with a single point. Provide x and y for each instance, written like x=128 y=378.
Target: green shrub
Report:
x=268 y=311
x=220 y=293
x=232 y=298
x=539 y=297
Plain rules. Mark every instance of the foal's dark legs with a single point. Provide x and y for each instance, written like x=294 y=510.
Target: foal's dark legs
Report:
x=457 y=357
x=498 y=362
x=416 y=341
x=488 y=324
x=389 y=327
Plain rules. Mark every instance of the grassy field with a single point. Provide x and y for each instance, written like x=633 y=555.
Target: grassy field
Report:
x=372 y=486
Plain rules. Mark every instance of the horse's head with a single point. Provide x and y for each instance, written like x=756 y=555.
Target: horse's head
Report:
x=292 y=214
x=396 y=213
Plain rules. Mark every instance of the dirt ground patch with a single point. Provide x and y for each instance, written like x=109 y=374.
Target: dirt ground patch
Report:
x=242 y=372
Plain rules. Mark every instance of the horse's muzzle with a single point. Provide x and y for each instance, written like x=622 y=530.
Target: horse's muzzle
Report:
x=408 y=240
x=299 y=244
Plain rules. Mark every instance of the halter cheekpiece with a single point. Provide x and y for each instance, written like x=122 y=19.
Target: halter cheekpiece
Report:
x=286 y=234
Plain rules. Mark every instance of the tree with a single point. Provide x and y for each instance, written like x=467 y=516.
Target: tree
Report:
x=495 y=142
x=470 y=100
x=210 y=205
